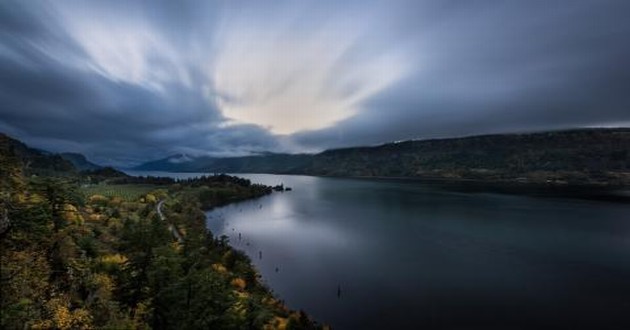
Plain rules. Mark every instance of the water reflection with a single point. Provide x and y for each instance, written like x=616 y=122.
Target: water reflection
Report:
x=363 y=254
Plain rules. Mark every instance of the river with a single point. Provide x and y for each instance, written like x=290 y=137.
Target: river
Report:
x=375 y=254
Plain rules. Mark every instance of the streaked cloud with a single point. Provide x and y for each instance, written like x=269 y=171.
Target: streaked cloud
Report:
x=290 y=74
x=127 y=81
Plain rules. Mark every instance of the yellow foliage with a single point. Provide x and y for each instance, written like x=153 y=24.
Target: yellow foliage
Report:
x=74 y=218
x=35 y=199
x=95 y=217
x=113 y=259
x=242 y=295
x=30 y=272
x=103 y=285
x=81 y=319
x=61 y=317
x=277 y=323
x=99 y=199
x=150 y=198
x=42 y=325
x=160 y=193
x=20 y=198
x=71 y=214
x=240 y=309
x=69 y=208
x=177 y=246
x=112 y=262
x=141 y=312
x=239 y=283
x=270 y=301
x=115 y=201
x=219 y=268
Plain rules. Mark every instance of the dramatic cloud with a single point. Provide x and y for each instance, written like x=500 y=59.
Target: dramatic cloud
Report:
x=292 y=73
x=124 y=81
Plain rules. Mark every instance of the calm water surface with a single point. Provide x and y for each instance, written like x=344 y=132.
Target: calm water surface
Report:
x=361 y=254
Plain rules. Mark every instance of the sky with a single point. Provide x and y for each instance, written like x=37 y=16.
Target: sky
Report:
x=124 y=82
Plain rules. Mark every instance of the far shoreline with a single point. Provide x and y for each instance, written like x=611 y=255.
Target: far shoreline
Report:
x=618 y=193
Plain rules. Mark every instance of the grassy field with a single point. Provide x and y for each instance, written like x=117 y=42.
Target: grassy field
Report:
x=128 y=192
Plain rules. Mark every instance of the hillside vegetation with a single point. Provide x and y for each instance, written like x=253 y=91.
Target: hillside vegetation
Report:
x=36 y=161
x=80 y=251
x=585 y=156
x=578 y=157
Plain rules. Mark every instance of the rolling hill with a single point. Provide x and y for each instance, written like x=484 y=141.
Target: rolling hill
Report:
x=581 y=156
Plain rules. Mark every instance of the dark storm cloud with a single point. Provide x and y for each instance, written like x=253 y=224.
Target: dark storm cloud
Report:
x=49 y=98
x=488 y=67
x=124 y=82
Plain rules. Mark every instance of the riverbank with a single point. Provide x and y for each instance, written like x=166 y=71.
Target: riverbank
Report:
x=611 y=193
x=617 y=192
x=255 y=299
x=447 y=258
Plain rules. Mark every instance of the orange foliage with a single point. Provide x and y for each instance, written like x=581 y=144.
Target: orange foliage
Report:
x=277 y=323
x=239 y=283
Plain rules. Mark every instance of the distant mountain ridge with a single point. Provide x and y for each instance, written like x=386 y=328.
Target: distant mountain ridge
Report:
x=264 y=163
x=580 y=156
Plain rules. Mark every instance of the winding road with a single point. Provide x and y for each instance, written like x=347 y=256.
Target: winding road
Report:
x=171 y=228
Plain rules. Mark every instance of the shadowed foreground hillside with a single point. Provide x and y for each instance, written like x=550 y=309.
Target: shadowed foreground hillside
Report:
x=102 y=250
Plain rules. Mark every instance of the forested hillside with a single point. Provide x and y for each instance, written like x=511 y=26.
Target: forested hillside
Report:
x=104 y=250
x=36 y=161
x=585 y=156
x=579 y=156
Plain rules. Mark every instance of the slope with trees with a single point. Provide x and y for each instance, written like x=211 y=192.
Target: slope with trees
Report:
x=582 y=157
x=72 y=258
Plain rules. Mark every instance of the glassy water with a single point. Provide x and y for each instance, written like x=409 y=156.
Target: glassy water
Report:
x=361 y=254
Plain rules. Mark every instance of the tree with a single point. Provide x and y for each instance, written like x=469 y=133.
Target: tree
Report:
x=57 y=193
